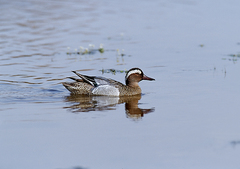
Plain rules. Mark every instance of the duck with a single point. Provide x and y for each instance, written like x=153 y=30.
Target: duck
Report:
x=101 y=86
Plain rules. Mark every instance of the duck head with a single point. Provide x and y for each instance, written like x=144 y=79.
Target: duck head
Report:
x=134 y=76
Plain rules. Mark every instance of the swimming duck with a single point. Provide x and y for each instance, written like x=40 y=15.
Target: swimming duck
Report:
x=95 y=85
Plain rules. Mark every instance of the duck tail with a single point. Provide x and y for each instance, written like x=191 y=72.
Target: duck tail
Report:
x=88 y=79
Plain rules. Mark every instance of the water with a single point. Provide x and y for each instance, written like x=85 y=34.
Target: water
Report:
x=187 y=118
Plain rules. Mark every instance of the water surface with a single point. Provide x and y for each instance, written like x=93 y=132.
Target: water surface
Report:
x=187 y=118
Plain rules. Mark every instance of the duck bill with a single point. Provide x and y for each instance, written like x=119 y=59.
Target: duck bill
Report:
x=147 y=78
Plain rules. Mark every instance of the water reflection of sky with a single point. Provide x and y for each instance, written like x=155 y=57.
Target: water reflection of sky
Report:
x=187 y=118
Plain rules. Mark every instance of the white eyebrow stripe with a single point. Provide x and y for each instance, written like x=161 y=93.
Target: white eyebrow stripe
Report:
x=132 y=72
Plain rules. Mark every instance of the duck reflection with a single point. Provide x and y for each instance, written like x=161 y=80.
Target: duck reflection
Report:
x=80 y=103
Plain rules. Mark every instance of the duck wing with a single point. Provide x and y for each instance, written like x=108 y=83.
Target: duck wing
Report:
x=97 y=80
x=88 y=79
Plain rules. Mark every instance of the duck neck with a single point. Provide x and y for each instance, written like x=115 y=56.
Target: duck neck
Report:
x=132 y=84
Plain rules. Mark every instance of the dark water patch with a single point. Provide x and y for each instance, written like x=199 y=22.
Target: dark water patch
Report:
x=42 y=66
x=10 y=52
x=235 y=143
x=47 y=73
x=56 y=79
x=35 y=54
x=6 y=30
x=76 y=167
x=26 y=82
x=10 y=64
x=51 y=90
x=37 y=78
x=57 y=67
x=4 y=74
x=21 y=76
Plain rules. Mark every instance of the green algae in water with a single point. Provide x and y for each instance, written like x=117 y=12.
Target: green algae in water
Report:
x=113 y=71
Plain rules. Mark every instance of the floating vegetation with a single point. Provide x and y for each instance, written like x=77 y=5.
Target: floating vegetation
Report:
x=113 y=71
x=234 y=58
x=120 y=53
x=234 y=55
x=101 y=49
x=82 y=50
x=92 y=50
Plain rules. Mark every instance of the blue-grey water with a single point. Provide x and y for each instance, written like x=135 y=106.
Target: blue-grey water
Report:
x=187 y=118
